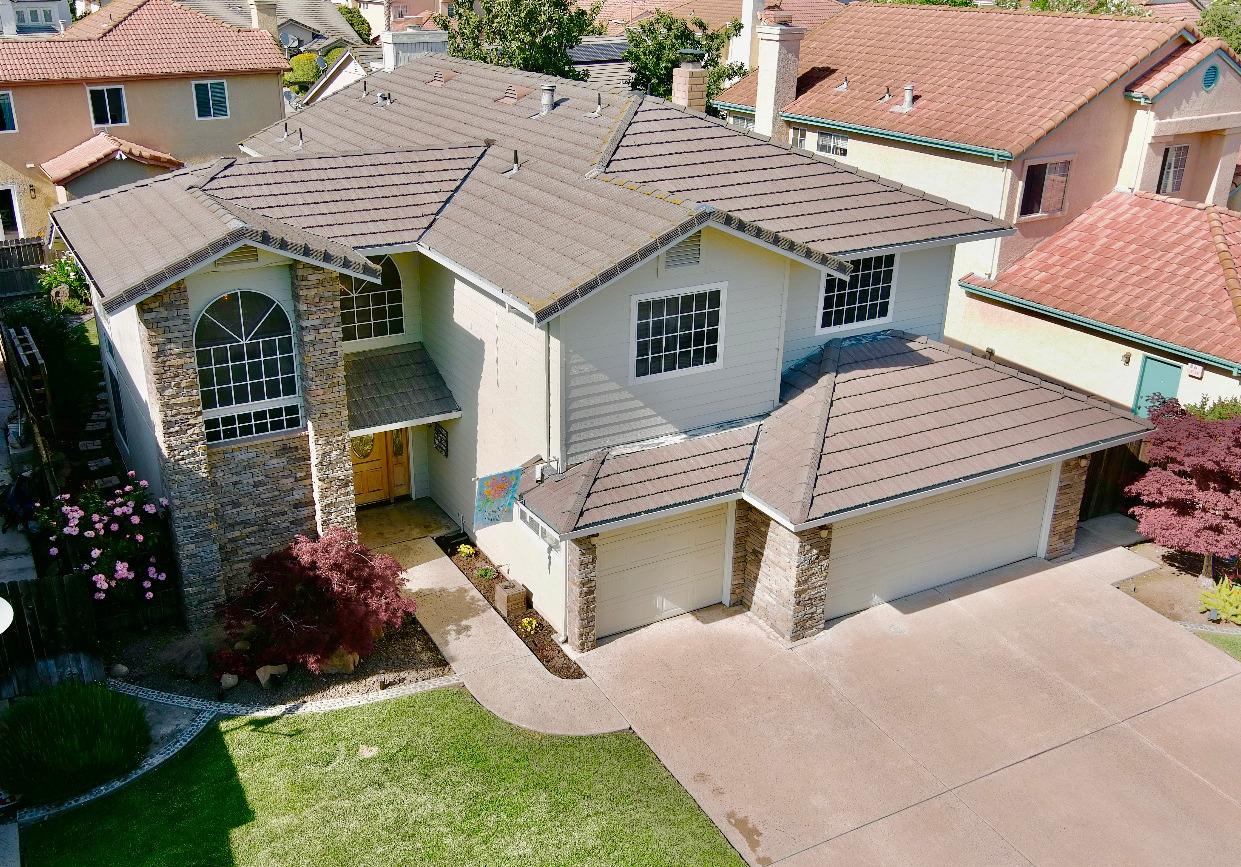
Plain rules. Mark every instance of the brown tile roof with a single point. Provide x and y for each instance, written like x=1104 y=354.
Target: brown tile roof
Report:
x=1103 y=265
x=993 y=79
x=864 y=421
x=395 y=386
x=80 y=159
x=615 y=14
x=1168 y=71
x=139 y=39
x=717 y=13
x=1184 y=11
x=136 y=239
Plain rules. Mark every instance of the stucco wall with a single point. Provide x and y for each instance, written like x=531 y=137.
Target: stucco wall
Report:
x=52 y=118
x=113 y=173
x=31 y=211
x=1088 y=361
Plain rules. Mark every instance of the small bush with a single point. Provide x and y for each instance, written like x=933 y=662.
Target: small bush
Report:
x=304 y=73
x=486 y=573
x=528 y=625
x=64 y=271
x=1226 y=599
x=466 y=551
x=69 y=739
x=312 y=598
x=1220 y=409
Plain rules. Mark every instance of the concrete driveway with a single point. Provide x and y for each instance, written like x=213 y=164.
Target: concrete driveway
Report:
x=1034 y=714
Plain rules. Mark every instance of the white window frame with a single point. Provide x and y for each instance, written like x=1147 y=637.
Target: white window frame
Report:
x=90 y=108
x=634 y=300
x=1164 y=154
x=271 y=403
x=20 y=15
x=119 y=426
x=47 y=16
x=358 y=343
x=867 y=324
x=17 y=209
x=12 y=108
x=228 y=104
x=823 y=136
x=797 y=137
x=1021 y=187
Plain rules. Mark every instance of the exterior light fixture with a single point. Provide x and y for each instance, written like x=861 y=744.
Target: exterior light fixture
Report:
x=1126 y=358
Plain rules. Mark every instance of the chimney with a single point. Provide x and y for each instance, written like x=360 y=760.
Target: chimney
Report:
x=263 y=17
x=689 y=81
x=779 y=50
x=547 y=100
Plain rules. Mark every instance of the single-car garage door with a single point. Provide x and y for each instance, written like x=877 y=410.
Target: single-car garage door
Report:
x=889 y=554
x=659 y=569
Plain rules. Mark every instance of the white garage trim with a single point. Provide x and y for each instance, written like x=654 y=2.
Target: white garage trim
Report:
x=1049 y=509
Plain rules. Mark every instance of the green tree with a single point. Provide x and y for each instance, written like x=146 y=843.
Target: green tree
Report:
x=332 y=56
x=534 y=35
x=656 y=43
x=1223 y=19
x=305 y=72
x=359 y=24
x=1082 y=7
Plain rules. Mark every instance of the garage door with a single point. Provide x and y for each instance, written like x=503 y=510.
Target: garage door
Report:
x=652 y=571
x=893 y=553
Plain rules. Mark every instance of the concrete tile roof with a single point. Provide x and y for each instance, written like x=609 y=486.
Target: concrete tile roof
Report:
x=1166 y=72
x=862 y=422
x=1180 y=9
x=809 y=199
x=1102 y=267
x=614 y=15
x=136 y=239
x=139 y=39
x=986 y=78
x=395 y=386
x=80 y=159
x=717 y=13
x=599 y=49
x=321 y=16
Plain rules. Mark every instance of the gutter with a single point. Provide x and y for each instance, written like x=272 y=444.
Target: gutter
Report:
x=996 y=154
x=1233 y=368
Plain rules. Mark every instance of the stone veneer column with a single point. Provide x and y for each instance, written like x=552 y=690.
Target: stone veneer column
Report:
x=172 y=383
x=786 y=576
x=1062 y=534
x=741 y=549
x=316 y=297
x=579 y=555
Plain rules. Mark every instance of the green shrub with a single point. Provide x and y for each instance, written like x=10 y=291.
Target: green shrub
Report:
x=65 y=272
x=486 y=573
x=355 y=19
x=1220 y=409
x=69 y=739
x=333 y=56
x=1226 y=599
x=305 y=72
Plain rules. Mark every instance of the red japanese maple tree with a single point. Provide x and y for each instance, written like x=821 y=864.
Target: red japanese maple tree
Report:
x=1191 y=495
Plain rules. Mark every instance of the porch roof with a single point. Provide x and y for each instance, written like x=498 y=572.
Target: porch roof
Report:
x=395 y=387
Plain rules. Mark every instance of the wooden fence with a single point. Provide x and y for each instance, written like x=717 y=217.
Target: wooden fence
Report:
x=20 y=264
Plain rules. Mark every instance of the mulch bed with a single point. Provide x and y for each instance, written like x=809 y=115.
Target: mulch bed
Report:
x=1171 y=587
x=402 y=657
x=542 y=641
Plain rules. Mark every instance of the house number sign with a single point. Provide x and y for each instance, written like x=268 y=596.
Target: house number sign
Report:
x=440 y=438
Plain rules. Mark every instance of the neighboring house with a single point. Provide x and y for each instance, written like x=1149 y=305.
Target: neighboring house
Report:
x=602 y=59
x=130 y=90
x=353 y=65
x=300 y=25
x=34 y=17
x=1186 y=10
x=700 y=359
x=383 y=15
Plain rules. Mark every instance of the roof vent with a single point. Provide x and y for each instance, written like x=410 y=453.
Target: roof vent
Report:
x=365 y=93
x=516 y=164
x=241 y=256
x=286 y=131
x=887 y=94
x=844 y=85
x=598 y=112
x=907 y=103
x=547 y=101
x=383 y=99
x=686 y=253
x=437 y=80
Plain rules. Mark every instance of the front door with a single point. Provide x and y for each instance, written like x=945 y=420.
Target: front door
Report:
x=371 y=482
x=1156 y=377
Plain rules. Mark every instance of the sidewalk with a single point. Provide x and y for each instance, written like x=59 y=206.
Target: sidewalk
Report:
x=495 y=665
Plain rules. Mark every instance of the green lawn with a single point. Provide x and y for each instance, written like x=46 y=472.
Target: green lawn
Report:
x=1230 y=644
x=451 y=785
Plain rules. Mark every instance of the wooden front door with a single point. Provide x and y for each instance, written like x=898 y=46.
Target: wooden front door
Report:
x=371 y=483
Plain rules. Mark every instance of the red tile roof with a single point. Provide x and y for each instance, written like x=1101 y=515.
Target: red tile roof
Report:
x=1184 y=11
x=80 y=159
x=1168 y=71
x=1155 y=266
x=717 y=13
x=989 y=78
x=139 y=39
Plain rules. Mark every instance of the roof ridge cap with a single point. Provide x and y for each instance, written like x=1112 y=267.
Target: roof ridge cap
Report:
x=1232 y=281
x=829 y=363
x=594 y=464
x=612 y=143
x=1172 y=200
x=1024 y=11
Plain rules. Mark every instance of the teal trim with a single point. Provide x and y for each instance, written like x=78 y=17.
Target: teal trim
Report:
x=1115 y=331
x=942 y=144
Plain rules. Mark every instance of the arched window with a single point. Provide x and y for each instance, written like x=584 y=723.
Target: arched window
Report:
x=372 y=309
x=246 y=372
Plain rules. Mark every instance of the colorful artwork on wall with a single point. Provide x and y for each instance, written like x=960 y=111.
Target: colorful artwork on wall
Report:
x=494 y=498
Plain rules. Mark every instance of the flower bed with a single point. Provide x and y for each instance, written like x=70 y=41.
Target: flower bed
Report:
x=529 y=626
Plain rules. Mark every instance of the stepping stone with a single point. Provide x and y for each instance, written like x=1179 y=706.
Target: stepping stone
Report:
x=99 y=415
x=102 y=396
x=98 y=464
x=90 y=445
x=96 y=427
x=107 y=482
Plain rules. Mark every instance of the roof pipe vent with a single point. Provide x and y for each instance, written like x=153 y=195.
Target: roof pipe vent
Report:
x=516 y=164
x=286 y=131
x=844 y=85
x=887 y=94
x=364 y=90
x=907 y=102
x=548 y=99
x=383 y=99
x=598 y=112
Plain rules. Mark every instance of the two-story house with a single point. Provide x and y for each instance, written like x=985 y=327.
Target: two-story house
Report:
x=127 y=92
x=708 y=365
x=34 y=17
x=1067 y=126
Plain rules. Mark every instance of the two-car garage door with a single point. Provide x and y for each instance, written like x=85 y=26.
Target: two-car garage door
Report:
x=659 y=569
x=896 y=552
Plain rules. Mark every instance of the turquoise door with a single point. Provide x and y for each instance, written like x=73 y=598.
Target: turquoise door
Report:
x=1157 y=377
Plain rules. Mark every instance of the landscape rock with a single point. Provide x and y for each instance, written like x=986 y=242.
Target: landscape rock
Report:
x=341 y=662
x=228 y=680
x=119 y=670
x=186 y=656
x=266 y=673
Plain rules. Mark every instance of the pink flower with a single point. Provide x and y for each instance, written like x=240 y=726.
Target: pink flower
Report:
x=89 y=534
x=131 y=474
x=151 y=570
x=96 y=518
x=146 y=583
x=149 y=508
x=118 y=511
x=134 y=519
x=114 y=527
x=128 y=488
x=52 y=552
x=149 y=595
x=71 y=531
x=160 y=577
x=138 y=537
x=99 y=595
x=163 y=501
x=144 y=484
x=94 y=553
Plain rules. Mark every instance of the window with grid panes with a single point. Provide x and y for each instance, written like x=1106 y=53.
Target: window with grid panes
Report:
x=865 y=297
x=1172 y=169
x=678 y=331
x=372 y=309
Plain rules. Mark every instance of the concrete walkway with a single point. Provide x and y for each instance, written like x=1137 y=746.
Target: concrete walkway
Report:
x=495 y=665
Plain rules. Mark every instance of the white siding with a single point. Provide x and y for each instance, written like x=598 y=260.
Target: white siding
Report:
x=270 y=275
x=605 y=405
x=919 y=301
x=411 y=308
x=494 y=362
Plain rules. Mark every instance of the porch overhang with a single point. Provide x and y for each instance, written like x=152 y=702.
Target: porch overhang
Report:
x=395 y=387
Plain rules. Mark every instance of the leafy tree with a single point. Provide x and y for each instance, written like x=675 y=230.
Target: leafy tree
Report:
x=1191 y=495
x=655 y=45
x=1084 y=7
x=533 y=35
x=1214 y=410
x=360 y=25
x=1223 y=19
x=305 y=72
